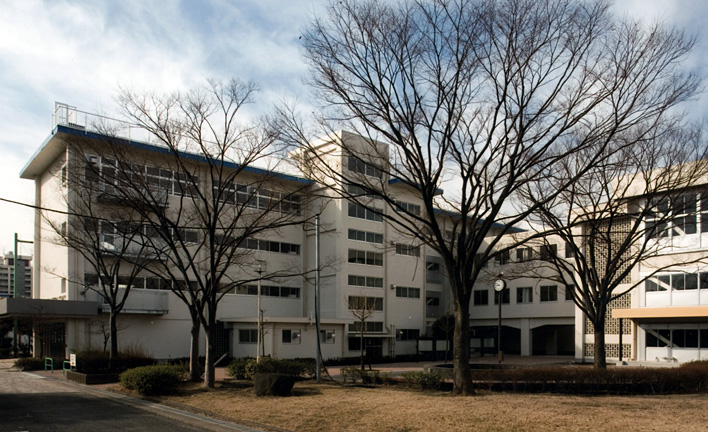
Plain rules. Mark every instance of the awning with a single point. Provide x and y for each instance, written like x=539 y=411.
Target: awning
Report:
x=664 y=314
x=47 y=309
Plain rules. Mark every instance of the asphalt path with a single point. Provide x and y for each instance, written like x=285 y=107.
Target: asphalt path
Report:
x=33 y=403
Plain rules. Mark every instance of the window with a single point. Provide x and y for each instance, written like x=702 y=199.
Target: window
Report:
x=362 y=212
x=569 y=250
x=549 y=293
x=371 y=327
x=704 y=211
x=404 y=249
x=359 y=166
x=549 y=252
x=408 y=335
x=524 y=254
x=407 y=292
x=569 y=290
x=524 y=295
x=63 y=175
x=365 y=257
x=247 y=336
x=658 y=338
x=684 y=281
x=504 y=295
x=481 y=297
x=503 y=258
x=365 y=236
x=684 y=214
x=359 y=191
x=432 y=266
x=270 y=246
x=413 y=209
x=365 y=303
x=365 y=281
x=327 y=336
x=291 y=336
x=703 y=278
x=269 y=291
x=432 y=301
x=657 y=283
x=684 y=338
x=676 y=212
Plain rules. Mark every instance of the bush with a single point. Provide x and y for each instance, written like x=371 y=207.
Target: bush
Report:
x=246 y=368
x=237 y=368
x=152 y=380
x=423 y=380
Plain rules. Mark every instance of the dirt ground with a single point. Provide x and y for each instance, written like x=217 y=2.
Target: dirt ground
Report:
x=328 y=407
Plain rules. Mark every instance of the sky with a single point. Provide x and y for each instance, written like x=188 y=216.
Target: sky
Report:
x=82 y=52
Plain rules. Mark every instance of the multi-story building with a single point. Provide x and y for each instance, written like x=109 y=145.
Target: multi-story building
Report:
x=7 y=276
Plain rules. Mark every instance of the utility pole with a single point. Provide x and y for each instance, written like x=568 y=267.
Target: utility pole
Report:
x=317 y=297
x=16 y=290
x=259 y=343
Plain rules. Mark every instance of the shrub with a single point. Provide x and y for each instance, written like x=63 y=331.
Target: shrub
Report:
x=151 y=380
x=237 y=368
x=296 y=368
x=423 y=380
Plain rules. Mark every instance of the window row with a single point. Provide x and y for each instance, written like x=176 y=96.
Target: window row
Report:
x=677 y=281
x=287 y=336
x=271 y=246
x=370 y=327
x=547 y=293
x=677 y=215
x=109 y=172
x=254 y=197
x=365 y=236
x=357 y=165
x=407 y=292
x=365 y=281
x=111 y=231
x=364 y=303
x=154 y=283
x=268 y=290
x=362 y=212
x=677 y=338
x=407 y=334
x=413 y=209
x=405 y=249
x=365 y=257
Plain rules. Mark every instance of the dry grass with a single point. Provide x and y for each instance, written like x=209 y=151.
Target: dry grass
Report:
x=332 y=408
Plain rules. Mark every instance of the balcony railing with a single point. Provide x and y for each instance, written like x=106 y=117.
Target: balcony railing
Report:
x=69 y=116
x=143 y=301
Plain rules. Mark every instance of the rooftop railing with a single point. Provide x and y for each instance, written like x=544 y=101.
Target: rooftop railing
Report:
x=69 y=116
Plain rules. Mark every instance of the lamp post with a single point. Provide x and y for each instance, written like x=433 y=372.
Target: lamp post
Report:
x=499 y=286
x=259 y=339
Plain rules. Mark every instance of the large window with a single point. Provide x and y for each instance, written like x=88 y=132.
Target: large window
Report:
x=405 y=249
x=407 y=292
x=247 y=336
x=371 y=327
x=676 y=215
x=408 y=334
x=481 y=297
x=271 y=246
x=524 y=295
x=362 y=212
x=365 y=303
x=677 y=282
x=676 y=338
x=549 y=293
x=268 y=290
x=365 y=281
x=365 y=257
x=291 y=336
x=408 y=207
x=359 y=166
x=365 y=236
x=504 y=295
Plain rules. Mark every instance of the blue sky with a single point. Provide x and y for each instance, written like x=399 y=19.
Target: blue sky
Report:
x=80 y=52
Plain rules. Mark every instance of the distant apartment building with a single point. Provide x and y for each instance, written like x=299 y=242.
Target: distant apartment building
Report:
x=7 y=276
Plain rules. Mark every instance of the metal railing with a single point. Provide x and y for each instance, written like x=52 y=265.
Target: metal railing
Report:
x=69 y=116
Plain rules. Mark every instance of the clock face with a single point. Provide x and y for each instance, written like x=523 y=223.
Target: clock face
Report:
x=499 y=285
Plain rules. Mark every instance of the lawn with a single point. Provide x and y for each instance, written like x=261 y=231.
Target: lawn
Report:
x=328 y=407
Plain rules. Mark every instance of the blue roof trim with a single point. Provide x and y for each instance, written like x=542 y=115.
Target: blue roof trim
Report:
x=163 y=150
x=495 y=224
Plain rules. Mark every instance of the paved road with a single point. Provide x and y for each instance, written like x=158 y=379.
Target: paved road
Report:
x=32 y=403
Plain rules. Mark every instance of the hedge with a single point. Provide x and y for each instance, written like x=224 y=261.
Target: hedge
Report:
x=152 y=380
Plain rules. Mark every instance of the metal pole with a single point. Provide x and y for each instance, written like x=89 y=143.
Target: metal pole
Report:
x=14 y=295
x=499 y=351
x=317 y=297
x=620 y=341
x=259 y=340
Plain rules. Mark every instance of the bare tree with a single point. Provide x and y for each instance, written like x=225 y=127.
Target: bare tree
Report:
x=106 y=233
x=629 y=209
x=206 y=204
x=363 y=308
x=490 y=94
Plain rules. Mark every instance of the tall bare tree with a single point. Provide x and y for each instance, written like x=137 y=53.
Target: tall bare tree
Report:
x=628 y=209
x=106 y=233
x=363 y=308
x=491 y=94
x=206 y=204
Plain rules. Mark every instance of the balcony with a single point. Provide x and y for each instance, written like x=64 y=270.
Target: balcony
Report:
x=142 y=301
x=118 y=246
x=112 y=194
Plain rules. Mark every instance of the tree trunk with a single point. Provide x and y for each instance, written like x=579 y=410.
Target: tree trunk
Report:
x=600 y=360
x=361 y=347
x=462 y=381
x=113 y=329
x=194 y=369
x=209 y=379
